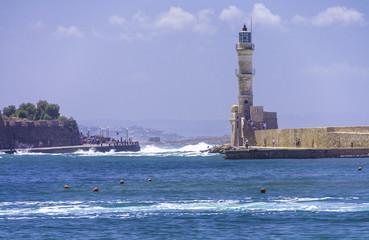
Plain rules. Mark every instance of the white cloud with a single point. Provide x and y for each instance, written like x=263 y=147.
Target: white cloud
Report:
x=176 y=18
x=97 y=34
x=37 y=25
x=299 y=20
x=232 y=13
x=333 y=15
x=337 y=15
x=203 y=25
x=117 y=20
x=263 y=16
x=71 y=31
x=141 y=17
x=130 y=36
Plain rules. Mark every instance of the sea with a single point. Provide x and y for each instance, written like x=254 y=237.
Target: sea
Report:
x=192 y=195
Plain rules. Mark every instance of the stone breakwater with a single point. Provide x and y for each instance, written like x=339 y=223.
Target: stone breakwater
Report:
x=16 y=133
x=317 y=138
x=220 y=148
x=129 y=147
x=294 y=153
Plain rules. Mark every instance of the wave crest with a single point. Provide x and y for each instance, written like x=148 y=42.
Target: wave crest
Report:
x=199 y=149
x=127 y=209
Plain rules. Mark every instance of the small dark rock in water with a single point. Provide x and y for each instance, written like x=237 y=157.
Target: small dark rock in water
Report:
x=220 y=148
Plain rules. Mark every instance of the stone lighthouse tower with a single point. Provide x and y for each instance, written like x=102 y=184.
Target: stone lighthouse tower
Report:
x=241 y=114
x=247 y=118
x=245 y=73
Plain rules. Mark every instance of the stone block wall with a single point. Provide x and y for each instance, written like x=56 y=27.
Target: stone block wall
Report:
x=325 y=137
x=270 y=119
x=347 y=140
x=32 y=133
x=355 y=129
x=257 y=114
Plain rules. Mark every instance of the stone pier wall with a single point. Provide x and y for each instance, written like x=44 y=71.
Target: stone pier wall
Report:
x=325 y=137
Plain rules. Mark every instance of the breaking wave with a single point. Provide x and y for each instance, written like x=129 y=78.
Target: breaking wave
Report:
x=199 y=149
x=126 y=209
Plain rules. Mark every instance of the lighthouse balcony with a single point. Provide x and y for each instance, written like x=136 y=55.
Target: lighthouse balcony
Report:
x=248 y=46
x=238 y=71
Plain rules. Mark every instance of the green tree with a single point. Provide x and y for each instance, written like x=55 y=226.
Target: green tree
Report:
x=9 y=111
x=62 y=118
x=53 y=111
x=40 y=110
x=30 y=108
x=47 y=117
x=22 y=113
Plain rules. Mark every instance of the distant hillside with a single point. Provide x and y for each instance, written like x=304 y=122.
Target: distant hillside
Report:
x=134 y=132
x=166 y=129
x=212 y=141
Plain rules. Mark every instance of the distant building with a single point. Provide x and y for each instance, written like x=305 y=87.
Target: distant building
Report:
x=246 y=118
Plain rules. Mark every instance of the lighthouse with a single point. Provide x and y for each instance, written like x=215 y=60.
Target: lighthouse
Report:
x=247 y=118
x=245 y=73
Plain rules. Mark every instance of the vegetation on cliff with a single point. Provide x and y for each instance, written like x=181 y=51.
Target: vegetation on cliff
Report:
x=41 y=111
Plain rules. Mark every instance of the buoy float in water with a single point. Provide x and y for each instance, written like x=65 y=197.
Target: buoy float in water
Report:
x=149 y=180
x=66 y=187
x=96 y=189
x=359 y=169
x=262 y=190
x=121 y=181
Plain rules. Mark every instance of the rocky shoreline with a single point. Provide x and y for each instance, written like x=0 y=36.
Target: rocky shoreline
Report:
x=220 y=148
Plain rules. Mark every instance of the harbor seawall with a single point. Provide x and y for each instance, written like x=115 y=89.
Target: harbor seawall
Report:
x=322 y=137
x=298 y=153
x=134 y=147
x=128 y=147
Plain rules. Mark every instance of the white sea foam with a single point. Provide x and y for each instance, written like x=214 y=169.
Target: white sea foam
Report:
x=152 y=150
x=306 y=199
x=188 y=150
x=199 y=149
x=125 y=209
x=26 y=152
x=92 y=152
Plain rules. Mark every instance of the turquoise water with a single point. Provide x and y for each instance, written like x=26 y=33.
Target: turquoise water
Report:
x=192 y=195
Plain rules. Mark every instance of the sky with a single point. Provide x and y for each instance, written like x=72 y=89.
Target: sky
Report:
x=176 y=60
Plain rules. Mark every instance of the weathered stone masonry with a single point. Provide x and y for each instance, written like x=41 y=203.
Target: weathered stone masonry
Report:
x=260 y=128
x=323 y=137
x=245 y=117
x=16 y=133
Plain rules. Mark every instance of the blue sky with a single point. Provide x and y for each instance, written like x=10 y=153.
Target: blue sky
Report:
x=176 y=59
